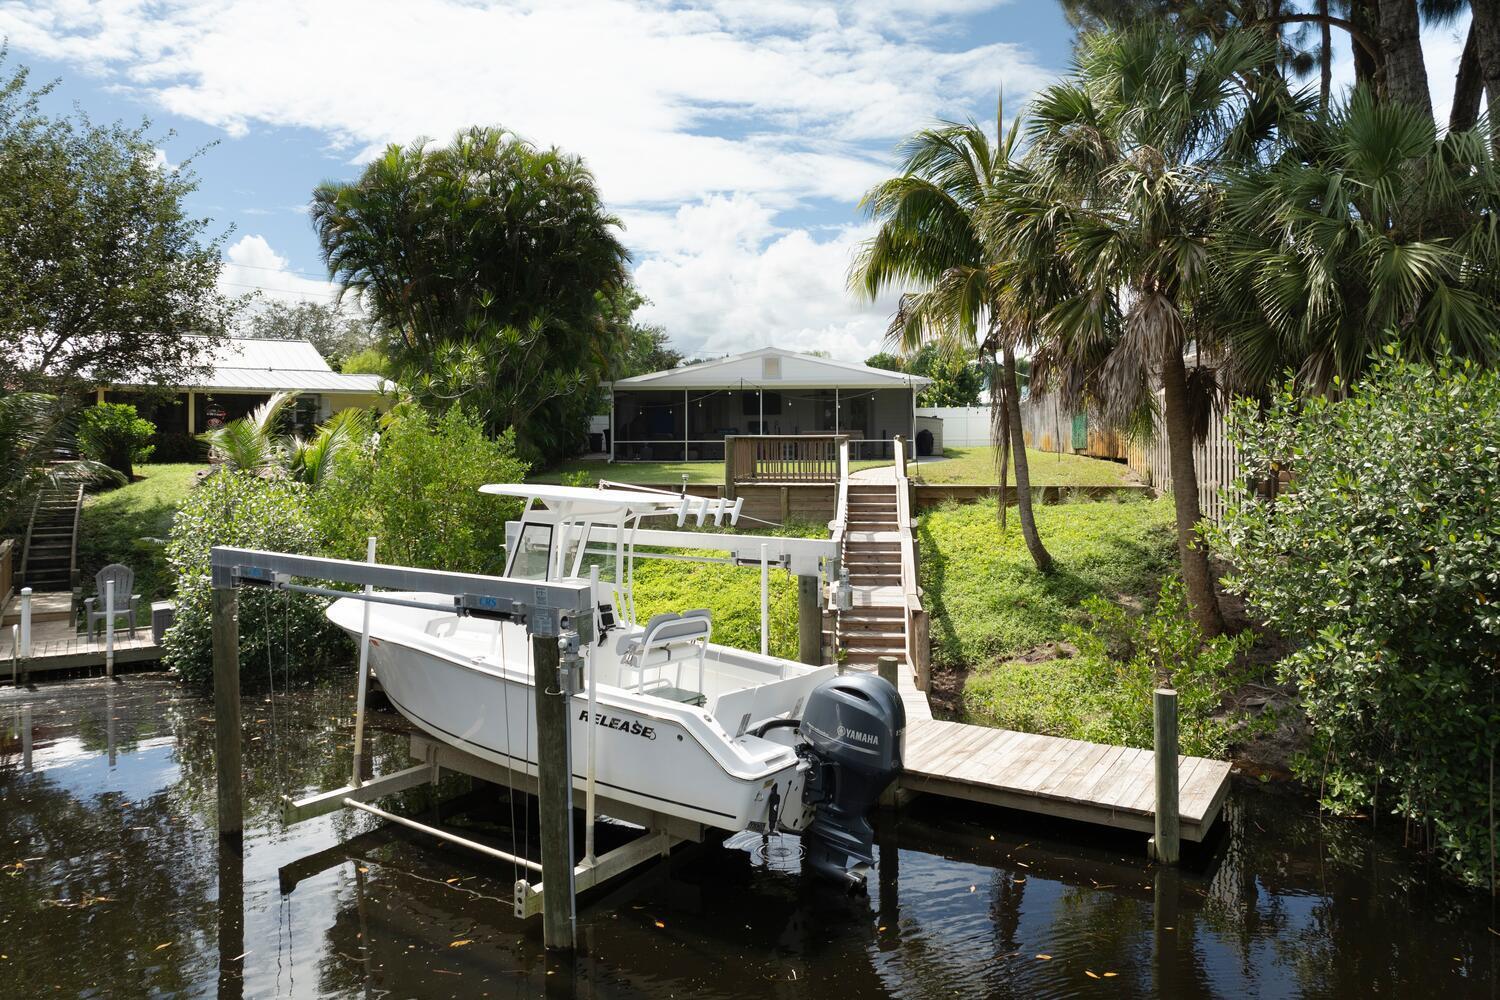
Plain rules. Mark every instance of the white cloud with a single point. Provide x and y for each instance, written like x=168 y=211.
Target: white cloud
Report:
x=741 y=112
x=250 y=266
x=722 y=278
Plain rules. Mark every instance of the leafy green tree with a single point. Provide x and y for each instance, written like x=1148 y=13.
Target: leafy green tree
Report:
x=112 y=433
x=103 y=275
x=886 y=361
x=488 y=262
x=418 y=493
x=1380 y=560
x=956 y=379
x=1369 y=230
x=336 y=334
x=1124 y=181
x=931 y=238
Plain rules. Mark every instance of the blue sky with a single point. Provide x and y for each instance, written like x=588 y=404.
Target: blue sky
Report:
x=734 y=139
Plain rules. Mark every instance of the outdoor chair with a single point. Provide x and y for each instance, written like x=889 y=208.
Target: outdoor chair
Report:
x=126 y=603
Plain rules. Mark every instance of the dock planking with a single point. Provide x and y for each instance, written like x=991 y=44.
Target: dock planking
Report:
x=1071 y=779
x=57 y=645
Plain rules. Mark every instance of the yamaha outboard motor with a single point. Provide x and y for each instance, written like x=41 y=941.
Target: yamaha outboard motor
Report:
x=854 y=727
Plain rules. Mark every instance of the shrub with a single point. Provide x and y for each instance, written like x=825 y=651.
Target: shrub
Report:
x=178 y=446
x=239 y=508
x=114 y=434
x=419 y=494
x=1382 y=556
x=1104 y=693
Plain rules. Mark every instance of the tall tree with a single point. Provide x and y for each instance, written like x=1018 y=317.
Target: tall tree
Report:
x=334 y=331
x=488 y=262
x=103 y=274
x=1127 y=155
x=930 y=237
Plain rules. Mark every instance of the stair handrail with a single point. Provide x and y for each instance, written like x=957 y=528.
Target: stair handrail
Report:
x=73 y=581
x=30 y=530
x=913 y=618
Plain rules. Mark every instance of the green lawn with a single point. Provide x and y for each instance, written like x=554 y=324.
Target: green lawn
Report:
x=655 y=473
x=118 y=526
x=977 y=465
x=961 y=466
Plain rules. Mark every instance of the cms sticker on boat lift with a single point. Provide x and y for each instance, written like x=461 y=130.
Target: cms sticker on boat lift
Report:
x=633 y=727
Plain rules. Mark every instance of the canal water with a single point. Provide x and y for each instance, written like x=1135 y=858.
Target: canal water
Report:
x=112 y=884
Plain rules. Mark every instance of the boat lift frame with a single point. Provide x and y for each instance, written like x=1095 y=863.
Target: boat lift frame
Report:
x=561 y=611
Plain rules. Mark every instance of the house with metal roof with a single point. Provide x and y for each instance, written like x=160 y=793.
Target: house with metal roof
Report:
x=684 y=414
x=240 y=373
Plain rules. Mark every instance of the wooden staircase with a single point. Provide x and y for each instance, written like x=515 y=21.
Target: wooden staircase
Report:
x=876 y=626
x=49 y=558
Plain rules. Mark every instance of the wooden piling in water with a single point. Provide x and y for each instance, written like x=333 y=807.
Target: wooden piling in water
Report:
x=228 y=770
x=554 y=794
x=809 y=621
x=1165 y=845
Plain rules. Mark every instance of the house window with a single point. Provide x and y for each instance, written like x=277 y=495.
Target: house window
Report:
x=770 y=368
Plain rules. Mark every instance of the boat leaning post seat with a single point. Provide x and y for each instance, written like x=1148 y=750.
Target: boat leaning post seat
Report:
x=668 y=640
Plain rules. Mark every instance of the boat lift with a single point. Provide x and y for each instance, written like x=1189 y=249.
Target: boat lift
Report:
x=559 y=617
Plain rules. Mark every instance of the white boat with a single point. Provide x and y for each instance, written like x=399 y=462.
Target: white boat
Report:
x=673 y=722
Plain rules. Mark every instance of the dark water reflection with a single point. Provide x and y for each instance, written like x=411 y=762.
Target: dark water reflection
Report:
x=110 y=885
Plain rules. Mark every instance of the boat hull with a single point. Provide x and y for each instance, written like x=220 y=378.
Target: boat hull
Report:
x=655 y=759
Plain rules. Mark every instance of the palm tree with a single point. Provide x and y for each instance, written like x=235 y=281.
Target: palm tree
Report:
x=1370 y=231
x=930 y=236
x=1126 y=160
x=253 y=444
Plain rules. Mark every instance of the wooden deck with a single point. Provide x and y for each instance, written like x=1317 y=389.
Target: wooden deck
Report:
x=1088 y=782
x=55 y=645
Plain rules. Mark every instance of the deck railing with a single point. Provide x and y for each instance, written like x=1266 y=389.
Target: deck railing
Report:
x=783 y=458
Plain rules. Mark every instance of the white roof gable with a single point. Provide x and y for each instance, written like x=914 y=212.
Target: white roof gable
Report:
x=770 y=367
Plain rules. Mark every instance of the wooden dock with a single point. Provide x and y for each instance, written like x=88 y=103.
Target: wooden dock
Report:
x=1088 y=782
x=57 y=645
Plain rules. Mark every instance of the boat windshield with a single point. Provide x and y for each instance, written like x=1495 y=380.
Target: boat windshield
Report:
x=532 y=554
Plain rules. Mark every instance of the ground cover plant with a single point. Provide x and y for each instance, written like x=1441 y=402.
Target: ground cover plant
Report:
x=1380 y=557
x=987 y=601
x=1102 y=692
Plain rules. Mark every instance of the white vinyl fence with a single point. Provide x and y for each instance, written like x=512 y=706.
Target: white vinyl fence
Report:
x=963 y=426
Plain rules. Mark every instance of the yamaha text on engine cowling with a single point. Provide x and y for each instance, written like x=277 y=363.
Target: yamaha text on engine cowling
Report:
x=854 y=726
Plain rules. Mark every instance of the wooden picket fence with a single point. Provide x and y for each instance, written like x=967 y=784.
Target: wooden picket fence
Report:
x=1215 y=459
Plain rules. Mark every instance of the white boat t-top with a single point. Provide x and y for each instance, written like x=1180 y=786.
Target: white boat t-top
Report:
x=667 y=720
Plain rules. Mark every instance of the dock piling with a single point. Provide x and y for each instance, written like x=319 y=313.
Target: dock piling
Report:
x=886 y=667
x=1165 y=845
x=554 y=792
x=809 y=621
x=109 y=628
x=25 y=640
x=228 y=772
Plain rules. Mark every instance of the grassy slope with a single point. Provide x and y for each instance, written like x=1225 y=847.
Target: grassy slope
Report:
x=964 y=465
x=987 y=600
x=114 y=522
